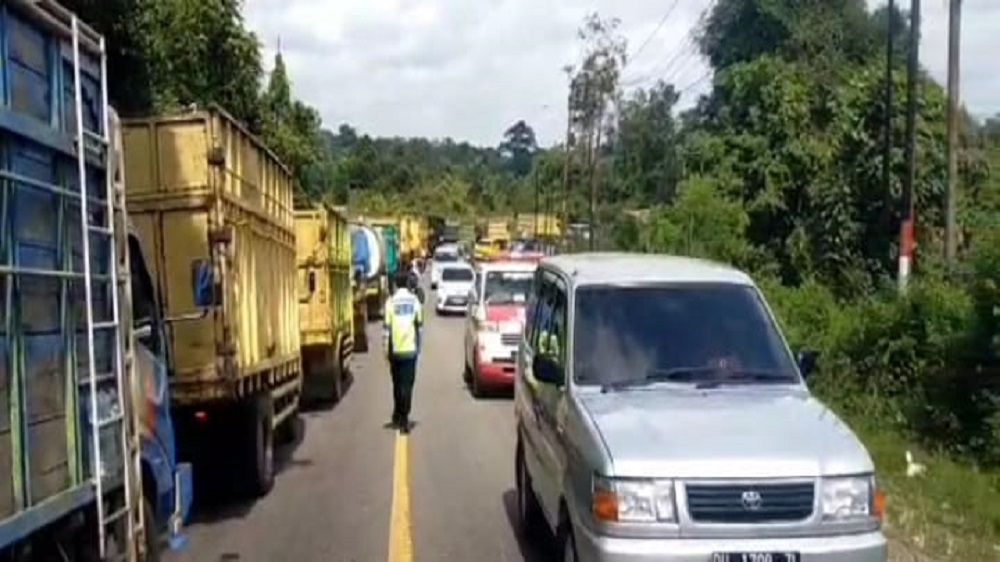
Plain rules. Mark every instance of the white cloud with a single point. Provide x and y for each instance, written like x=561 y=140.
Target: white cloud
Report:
x=469 y=68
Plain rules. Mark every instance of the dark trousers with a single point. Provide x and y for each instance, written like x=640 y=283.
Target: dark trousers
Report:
x=404 y=372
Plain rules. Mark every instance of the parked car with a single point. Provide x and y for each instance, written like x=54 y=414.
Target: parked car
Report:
x=661 y=416
x=453 y=288
x=494 y=323
x=443 y=255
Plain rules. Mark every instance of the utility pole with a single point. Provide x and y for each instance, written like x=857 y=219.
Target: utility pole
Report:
x=887 y=148
x=535 y=173
x=954 y=58
x=566 y=164
x=569 y=132
x=595 y=162
x=906 y=225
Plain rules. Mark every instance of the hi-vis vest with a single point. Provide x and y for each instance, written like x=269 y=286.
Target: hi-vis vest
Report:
x=403 y=317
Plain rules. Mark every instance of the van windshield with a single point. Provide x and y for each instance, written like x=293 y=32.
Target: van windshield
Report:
x=704 y=334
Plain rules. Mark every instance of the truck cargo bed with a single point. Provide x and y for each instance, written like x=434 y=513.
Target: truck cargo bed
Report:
x=200 y=187
x=45 y=449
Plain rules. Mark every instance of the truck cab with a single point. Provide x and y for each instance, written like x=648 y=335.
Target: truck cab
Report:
x=166 y=483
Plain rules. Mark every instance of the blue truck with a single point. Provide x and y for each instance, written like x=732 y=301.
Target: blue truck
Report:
x=88 y=467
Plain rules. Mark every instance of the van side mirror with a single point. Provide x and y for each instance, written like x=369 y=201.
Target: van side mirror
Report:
x=546 y=369
x=203 y=287
x=806 y=358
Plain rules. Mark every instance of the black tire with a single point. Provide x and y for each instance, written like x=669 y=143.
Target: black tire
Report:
x=529 y=512
x=154 y=547
x=337 y=382
x=466 y=373
x=260 y=447
x=567 y=542
x=477 y=386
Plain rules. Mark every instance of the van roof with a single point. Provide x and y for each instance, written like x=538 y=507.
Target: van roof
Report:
x=614 y=268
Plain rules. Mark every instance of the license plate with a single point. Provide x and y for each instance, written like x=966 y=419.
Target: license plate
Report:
x=756 y=557
x=510 y=327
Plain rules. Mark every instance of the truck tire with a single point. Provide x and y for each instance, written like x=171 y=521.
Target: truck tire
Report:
x=259 y=449
x=154 y=550
x=337 y=365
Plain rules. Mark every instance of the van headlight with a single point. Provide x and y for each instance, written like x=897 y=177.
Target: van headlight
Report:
x=850 y=497
x=632 y=500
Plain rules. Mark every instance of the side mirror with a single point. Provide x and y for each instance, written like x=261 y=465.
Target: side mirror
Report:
x=143 y=331
x=806 y=359
x=547 y=370
x=311 y=282
x=203 y=284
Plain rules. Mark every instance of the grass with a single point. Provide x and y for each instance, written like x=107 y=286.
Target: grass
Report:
x=950 y=512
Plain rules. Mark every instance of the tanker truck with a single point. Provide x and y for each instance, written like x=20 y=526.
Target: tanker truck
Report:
x=368 y=267
x=87 y=454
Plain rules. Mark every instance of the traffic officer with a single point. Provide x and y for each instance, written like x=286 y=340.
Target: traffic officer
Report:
x=402 y=326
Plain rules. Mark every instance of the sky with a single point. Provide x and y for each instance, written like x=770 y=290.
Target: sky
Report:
x=468 y=69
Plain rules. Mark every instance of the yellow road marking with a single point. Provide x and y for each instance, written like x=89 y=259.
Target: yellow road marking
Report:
x=400 y=541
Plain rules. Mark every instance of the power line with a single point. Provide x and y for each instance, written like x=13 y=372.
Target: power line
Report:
x=686 y=47
x=656 y=30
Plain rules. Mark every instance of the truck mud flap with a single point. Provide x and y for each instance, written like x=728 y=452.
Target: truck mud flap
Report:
x=361 y=328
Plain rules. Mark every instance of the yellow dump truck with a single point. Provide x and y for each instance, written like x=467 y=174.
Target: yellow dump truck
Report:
x=326 y=301
x=212 y=204
x=412 y=237
x=498 y=230
x=547 y=225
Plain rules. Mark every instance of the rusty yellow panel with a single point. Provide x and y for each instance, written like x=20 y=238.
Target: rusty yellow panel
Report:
x=183 y=238
x=312 y=233
x=201 y=187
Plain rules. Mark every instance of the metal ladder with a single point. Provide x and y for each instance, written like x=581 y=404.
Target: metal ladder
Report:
x=122 y=376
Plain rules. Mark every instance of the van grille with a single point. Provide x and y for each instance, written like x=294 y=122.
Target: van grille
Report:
x=510 y=339
x=750 y=502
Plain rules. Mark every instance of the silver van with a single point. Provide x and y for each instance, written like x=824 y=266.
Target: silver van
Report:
x=661 y=417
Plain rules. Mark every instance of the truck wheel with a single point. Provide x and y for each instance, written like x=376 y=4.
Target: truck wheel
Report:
x=154 y=552
x=337 y=384
x=261 y=447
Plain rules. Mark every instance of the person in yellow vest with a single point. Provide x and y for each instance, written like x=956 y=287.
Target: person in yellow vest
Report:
x=402 y=326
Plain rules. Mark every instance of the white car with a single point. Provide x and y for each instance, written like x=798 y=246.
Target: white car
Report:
x=444 y=255
x=453 y=287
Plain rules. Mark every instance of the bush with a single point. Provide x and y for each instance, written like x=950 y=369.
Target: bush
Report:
x=913 y=362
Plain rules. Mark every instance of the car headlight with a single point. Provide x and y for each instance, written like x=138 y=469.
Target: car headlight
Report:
x=633 y=500
x=850 y=497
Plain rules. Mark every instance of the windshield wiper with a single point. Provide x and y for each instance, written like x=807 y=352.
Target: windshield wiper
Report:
x=693 y=374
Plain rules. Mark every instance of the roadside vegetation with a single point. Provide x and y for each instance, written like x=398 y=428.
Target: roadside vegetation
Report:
x=778 y=169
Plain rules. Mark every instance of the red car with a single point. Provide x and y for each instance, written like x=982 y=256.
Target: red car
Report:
x=495 y=323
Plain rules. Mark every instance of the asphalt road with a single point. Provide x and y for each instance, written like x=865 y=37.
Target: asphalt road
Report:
x=353 y=491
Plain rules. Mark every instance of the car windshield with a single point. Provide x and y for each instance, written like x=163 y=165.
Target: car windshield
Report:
x=703 y=334
x=507 y=287
x=457 y=274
